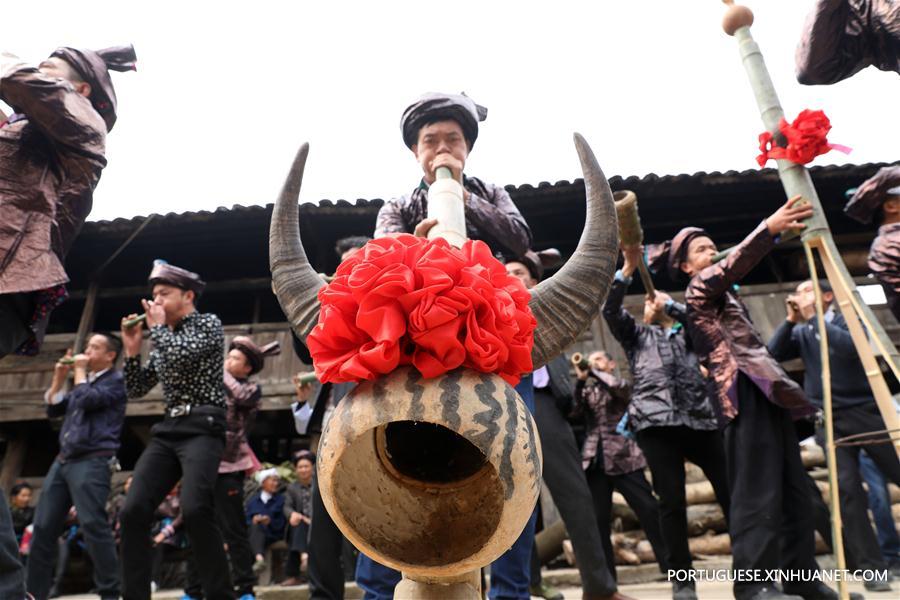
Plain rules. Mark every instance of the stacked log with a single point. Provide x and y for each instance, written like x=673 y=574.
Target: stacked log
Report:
x=706 y=522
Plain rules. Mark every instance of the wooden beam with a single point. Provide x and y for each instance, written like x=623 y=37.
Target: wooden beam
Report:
x=88 y=313
x=232 y=285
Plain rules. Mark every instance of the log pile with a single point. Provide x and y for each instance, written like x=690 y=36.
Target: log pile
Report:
x=706 y=522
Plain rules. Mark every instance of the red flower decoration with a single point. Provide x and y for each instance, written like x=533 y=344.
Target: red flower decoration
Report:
x=406 y=300
x=806 y=139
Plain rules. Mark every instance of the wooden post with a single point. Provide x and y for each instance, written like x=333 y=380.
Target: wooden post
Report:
x=13 y=459
x=88 y=313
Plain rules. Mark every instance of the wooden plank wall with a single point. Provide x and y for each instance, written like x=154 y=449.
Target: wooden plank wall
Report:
x=24 y=380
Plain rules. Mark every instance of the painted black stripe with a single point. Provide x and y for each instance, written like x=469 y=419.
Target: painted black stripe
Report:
x=450 y=400
x=509 y=440
x=489 y=418
x=416 y=408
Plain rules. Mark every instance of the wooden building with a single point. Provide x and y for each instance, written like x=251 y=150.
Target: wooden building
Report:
x=110 y=260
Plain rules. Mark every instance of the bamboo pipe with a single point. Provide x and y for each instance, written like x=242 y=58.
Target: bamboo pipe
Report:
x=631 y=234
x=132 y=322
x=304 y=378
x=578 y=359
x=446 y=205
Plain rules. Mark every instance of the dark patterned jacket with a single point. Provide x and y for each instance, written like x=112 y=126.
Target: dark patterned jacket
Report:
x=187 y=360
x=669 y=389
x=602 y=400
x=724 y=337
x=242 y=401
x=884 y=262
x=491 y=217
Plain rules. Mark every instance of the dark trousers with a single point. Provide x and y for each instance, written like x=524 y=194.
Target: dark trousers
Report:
x=771 y=513
x=84 y=483
x=177 y=450
x=260 y=538
x=12 y=573
x=233 y=523
x=326 y=572
x=15 y=315
x=859 y=537
x=666 y=449
x=639 y=496
x=568 y=485
x=880 y=503
x=298 y=542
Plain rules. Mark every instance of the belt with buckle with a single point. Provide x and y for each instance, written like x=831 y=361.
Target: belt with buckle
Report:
x=178 y=410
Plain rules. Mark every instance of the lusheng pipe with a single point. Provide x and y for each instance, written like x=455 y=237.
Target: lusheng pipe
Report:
x=631 y=233
x=129 y=323
x=580 y=361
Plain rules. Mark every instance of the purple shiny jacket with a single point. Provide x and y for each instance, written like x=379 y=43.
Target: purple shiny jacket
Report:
x=724 y=337
x=884 y=262
x=602 y=400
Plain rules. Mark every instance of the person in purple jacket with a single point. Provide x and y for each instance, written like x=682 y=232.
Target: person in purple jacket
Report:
x=94 y=410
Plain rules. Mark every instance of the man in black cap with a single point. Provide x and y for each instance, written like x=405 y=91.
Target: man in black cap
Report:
x=242 y=397
x=53 y=151
x=878 y=200
x=771 y=523
x=187 y=445
x=441 y=129
x=670 y=412
x=563 y=473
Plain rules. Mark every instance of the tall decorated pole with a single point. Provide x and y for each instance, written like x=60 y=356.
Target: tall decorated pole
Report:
x=817 y=236
x=796 y=181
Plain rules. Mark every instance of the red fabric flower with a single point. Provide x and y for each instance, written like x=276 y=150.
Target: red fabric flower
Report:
x=407 y=300
x=806 y=139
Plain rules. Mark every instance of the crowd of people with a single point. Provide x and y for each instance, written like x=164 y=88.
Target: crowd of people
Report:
x=702 y=386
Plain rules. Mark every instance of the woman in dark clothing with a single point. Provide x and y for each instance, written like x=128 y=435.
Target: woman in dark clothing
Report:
x=613 y=461
x=22 y=513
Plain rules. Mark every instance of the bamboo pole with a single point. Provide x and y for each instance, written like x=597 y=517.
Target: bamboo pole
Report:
x=837 y=538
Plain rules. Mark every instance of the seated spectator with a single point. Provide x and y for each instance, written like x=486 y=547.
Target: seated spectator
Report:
x=20 y=509
x=167 y=531
x=297 y=511
x=265 y=516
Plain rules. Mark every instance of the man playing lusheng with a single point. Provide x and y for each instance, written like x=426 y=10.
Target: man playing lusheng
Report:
x=94 y=411
x=854 y=412
x=670 y=411
x=186 y=358
x=441 y=129
x=771 y=513
x=52 y=150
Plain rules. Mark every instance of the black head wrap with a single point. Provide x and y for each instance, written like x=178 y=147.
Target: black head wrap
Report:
x=93 y=67
x=437 y=107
